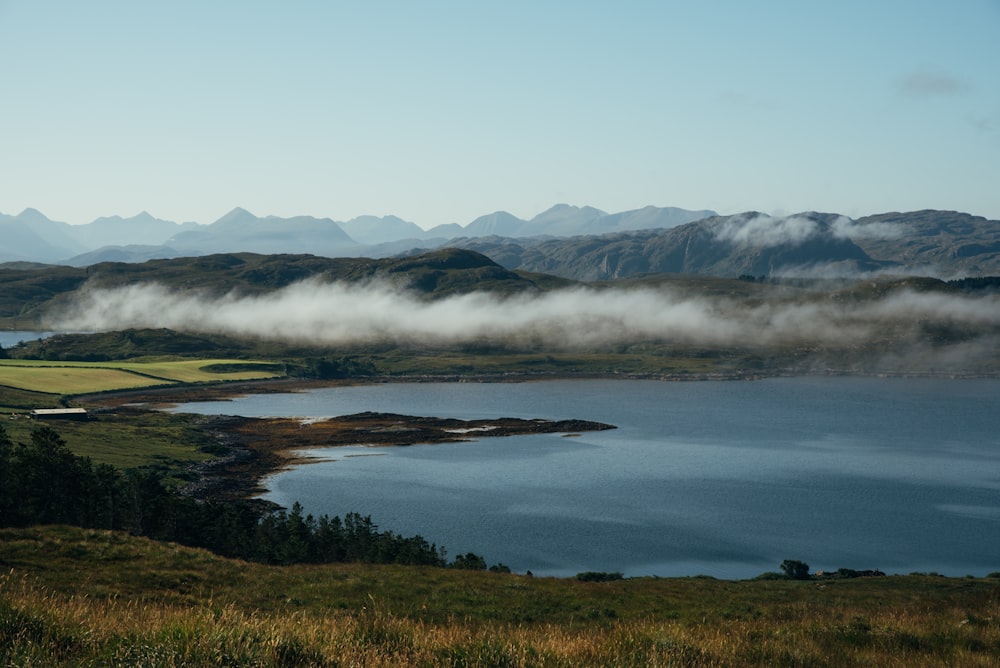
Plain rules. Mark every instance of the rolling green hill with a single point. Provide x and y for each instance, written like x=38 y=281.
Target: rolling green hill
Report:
x=654 y=324
x=28 y=292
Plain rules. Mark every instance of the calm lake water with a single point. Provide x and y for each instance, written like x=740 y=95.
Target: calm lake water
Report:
x=717 y=478
x=9 y=338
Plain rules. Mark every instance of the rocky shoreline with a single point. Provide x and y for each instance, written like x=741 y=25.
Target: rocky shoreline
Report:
x=258 y=447
x=254 y=448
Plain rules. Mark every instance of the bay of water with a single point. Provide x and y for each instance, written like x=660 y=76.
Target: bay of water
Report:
x=718 y=478
x=10 y=338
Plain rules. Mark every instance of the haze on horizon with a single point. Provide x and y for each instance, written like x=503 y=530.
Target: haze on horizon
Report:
x=440 y=112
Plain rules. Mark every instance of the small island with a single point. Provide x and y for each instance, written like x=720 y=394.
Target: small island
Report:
x=259 y=446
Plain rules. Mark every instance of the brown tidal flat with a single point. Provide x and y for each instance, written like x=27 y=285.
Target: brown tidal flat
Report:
x=260 y=446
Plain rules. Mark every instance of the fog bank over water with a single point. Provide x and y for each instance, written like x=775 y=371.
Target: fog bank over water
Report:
x=324 y=313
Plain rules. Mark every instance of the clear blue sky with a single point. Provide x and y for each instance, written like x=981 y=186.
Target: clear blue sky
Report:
x=439 y=112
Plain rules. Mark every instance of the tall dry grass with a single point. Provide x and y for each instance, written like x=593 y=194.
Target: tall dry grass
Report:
x=39 y=627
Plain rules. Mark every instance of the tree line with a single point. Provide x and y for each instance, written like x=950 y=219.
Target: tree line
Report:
x=44 y=482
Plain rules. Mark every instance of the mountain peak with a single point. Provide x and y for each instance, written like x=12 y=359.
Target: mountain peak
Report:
x=498 y=223
x=370 y=229
x=562 y=220
x=235 y=217
x=563 y=212
x=33 y=215
x=562 y=208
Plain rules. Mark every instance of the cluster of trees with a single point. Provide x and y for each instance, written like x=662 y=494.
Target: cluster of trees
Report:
x=977 y=283
x=325 y=368
x=599 y=576
x=793 y=569
x=43 y=482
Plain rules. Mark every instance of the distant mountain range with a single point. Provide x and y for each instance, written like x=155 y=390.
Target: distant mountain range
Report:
x=943 y=244
x=32 y=237
x=580 y=243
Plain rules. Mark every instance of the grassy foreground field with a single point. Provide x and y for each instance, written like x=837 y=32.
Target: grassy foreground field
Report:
x=73 y=597
x=88 y=377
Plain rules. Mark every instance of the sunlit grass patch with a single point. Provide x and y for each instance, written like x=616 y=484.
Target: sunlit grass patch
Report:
x=86 y=377
x=201 y=370
x=72 y=379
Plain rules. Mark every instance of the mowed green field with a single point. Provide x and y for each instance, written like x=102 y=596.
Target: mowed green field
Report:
x=87 y=377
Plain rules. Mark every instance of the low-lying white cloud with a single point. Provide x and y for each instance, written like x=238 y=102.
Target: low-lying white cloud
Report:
x=845 y=228
x=331 y=314
x=766 y=231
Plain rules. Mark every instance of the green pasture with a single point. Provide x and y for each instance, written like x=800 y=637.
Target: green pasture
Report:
x=72 y=380
x=197 y=370
x=88 y=377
